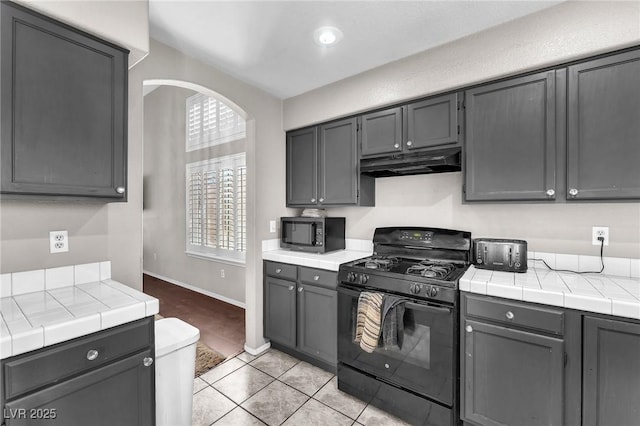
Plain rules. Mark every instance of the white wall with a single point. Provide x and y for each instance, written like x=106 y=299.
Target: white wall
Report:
x=568 y=31
x=265 y=158
x=164 y=213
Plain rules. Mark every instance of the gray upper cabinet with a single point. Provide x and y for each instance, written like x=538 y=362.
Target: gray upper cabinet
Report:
x=302 y=167
x=510 y=151
x=430 y=123
x=611 y=377
x=63 y=109
x=323 y=168
x=603 y=127
x=382 y=132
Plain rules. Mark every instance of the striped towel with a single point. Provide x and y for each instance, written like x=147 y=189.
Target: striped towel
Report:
x=368 y=320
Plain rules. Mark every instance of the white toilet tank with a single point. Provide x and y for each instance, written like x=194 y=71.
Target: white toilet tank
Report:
x=175 y=347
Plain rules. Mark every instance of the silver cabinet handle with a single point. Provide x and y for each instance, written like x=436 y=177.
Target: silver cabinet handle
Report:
x=509 y=315
x=409 y=143
x=316 y=277
x=147 y=361
x=550 y=192
x=290 y=287
x=92 y=354
x=120 y=190
x=299 y=289
x=386 y=365
x=573 y=192
x=313 y=200
x=396 y=146
x=321 y=200
x=469 y=329
x=278 y=270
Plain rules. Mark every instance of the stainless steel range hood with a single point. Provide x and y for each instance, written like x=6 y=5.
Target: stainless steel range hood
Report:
x=414 y=163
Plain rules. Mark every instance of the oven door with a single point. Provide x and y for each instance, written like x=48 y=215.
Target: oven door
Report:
x=425 y=362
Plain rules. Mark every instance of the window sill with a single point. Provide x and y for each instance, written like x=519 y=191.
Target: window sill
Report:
x=214 y=258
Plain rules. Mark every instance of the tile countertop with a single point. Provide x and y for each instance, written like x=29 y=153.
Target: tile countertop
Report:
x=47 y=306
x=605 y=294
x=355 y=249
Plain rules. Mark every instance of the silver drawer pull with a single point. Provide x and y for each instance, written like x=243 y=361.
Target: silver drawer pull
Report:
x=290 y=287
x=316 y=277
x=509 y=315
x=147 y=361
x=299 y=289
x=278 y=270
x=469 y=329
x=92 y=354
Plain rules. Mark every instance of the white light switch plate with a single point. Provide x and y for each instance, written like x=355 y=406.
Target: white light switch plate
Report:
x=272 y=226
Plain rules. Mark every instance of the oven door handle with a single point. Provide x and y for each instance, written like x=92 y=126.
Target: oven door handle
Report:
x=428 y=308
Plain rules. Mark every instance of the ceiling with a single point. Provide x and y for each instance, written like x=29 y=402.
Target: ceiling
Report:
x=269 y=44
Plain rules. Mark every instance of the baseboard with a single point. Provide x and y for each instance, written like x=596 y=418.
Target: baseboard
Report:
x=258 y=350
x=196 y=289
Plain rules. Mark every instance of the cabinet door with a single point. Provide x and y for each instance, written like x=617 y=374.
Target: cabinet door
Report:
x=64 y=109
x=604 y=128
x=302 y=167
x=433 y=122
x=511 y=377
x=611 y=373
x=317 y=322
x=280 y=311
x=382 y=132
x=338 y=172
x=121 y=393
x=510 y=140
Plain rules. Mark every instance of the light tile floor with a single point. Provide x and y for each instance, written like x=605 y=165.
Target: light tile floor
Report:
x=277 y=389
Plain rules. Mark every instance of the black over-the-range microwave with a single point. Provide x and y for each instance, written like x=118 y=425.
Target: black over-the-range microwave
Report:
x=312 y=234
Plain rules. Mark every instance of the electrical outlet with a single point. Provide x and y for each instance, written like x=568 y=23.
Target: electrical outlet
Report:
x=272 y=226
x=600 y=231
x=58 y=241
x=221 y=273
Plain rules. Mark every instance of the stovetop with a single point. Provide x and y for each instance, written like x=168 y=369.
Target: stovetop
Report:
x=422 y=263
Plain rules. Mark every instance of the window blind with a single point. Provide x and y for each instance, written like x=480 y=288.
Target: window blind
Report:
x=211 y=122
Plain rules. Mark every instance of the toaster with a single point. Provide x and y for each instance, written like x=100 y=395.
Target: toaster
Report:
x=500 y=254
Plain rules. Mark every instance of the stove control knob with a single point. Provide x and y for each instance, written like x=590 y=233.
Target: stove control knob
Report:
x=433 y=291
x=363 y=278
x=415 y=288
x=351 y=277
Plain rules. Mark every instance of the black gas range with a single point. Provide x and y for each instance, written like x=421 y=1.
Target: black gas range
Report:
x=417 y=379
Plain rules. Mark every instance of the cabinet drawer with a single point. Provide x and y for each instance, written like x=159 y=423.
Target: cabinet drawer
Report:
x=319 y=277
x=514 y=313
x=54 y=364
x=281 y=270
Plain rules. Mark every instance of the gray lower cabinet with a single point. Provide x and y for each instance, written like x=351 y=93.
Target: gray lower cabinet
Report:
x=425 y=124
x=63 y=110
x=512 y=374
x=510 y=151
x=603 y=128
x=611 y=374
x=323 y=168
x=104 y=379
x=300 y=311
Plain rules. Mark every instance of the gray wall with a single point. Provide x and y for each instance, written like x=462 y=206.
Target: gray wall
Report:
x=568 y=31
x=164 y=213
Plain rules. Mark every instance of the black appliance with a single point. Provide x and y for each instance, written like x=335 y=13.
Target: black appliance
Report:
x=417 y=381
x=413 y=163
x=312 y=234
x=500 y=254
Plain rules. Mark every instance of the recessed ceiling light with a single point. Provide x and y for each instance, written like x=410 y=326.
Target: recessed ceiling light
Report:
x=327 y=36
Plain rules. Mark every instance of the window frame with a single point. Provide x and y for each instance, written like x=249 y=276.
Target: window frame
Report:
x=237 y=162
x=205 y=138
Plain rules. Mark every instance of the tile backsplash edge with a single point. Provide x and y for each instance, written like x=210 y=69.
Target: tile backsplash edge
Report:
x=15 y=283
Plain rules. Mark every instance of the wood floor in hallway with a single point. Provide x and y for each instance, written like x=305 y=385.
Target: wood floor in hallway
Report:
x=221 y=324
